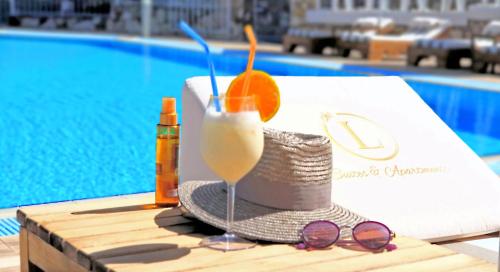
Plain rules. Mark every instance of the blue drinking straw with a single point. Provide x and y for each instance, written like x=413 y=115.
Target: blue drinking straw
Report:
x=195 y=36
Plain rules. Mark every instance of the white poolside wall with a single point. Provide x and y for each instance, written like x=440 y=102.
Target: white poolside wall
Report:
x=402 y=18
x=336 y=15
x=212 y=18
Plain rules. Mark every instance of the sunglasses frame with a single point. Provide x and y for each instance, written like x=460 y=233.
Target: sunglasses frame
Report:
x=392 y=235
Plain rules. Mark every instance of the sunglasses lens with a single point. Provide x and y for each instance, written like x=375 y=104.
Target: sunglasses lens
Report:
x=320 y=234
x=372 y=235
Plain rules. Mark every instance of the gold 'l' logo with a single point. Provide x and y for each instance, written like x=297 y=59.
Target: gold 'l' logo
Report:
x=362 y=145
x=360 y=136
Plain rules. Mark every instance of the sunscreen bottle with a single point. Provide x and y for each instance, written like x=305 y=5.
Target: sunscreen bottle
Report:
x=167 y=155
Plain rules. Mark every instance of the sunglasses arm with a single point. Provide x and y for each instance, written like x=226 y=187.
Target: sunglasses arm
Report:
x=391 y=247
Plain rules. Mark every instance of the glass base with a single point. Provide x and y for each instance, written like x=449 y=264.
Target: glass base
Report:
x=227 y=242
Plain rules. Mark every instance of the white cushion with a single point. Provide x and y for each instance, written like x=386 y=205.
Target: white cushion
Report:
x=366 y=27
x=373 y=22
x=401 y=38
x=492 y=29
x=491 y=49
x=426 y=23
x=411 y=36
x=366 y=21
x=419 y=28
x=483 y=44
x=434 y=33
x=442 y=189
x=357 y=36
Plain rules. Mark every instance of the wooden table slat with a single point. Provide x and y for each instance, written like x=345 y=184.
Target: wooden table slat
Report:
x=88 y=256
x=383 y=260
x=483 y=267
x=142 y=246
x=301 y=263
x=23 y=249
x=77 y=248
x=83 y=205
x=71 y=215
x=50 y=259
x=121 y=227
x=150 y=218
x=76 y=221
x=117 y=237
x=188 y=258
x=444 y=263
x=204 y=258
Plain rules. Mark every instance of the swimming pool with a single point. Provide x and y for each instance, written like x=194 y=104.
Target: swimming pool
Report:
x=78 y=115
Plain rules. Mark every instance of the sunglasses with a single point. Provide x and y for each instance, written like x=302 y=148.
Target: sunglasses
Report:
x=370 y=235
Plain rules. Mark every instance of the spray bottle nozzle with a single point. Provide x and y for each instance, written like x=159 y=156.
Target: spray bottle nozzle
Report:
x=168 y=115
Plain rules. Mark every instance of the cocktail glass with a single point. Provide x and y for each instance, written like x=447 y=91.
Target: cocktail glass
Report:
x=232 y=142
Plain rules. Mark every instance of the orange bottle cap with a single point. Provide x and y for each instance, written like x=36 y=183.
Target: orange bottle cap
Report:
x=168 y=105
x=168 y=115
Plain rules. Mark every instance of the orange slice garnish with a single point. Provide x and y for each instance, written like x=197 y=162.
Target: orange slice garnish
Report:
x=263 y=87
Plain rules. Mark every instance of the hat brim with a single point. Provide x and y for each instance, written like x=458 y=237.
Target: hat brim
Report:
x=206 y=200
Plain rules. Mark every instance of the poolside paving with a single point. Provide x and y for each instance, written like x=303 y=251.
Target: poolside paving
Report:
x=9 y=253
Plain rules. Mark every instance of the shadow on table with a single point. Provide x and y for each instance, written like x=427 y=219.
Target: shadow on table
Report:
x=353 y=245
x=346 y=244
x=193 y=228
x=142 y=253
x=118 y=209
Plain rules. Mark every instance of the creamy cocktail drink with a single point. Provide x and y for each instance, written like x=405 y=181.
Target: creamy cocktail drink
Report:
x=232 y=143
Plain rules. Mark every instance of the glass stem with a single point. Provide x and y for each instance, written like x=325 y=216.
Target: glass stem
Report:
x=230 y=208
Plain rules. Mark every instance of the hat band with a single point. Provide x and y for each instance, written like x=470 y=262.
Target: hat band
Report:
x=285 y=196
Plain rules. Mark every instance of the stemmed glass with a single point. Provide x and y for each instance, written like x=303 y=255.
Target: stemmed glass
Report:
x=232 y=142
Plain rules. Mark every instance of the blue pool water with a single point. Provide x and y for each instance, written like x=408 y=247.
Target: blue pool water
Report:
x=78 y=121
x=78 y=117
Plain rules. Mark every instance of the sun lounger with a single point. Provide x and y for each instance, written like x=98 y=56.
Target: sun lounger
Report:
x=411 y=171
x=361 y=30
x=377 y=47
x=448 y=52
x=486 y=48
x=313 y=40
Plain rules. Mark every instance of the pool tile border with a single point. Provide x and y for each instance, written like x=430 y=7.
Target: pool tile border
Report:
x=9 y=226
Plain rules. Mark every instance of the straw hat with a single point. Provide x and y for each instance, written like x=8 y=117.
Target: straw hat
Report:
x=289 y=187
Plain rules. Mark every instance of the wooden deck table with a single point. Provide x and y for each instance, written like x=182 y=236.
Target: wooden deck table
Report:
x=129 y=234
